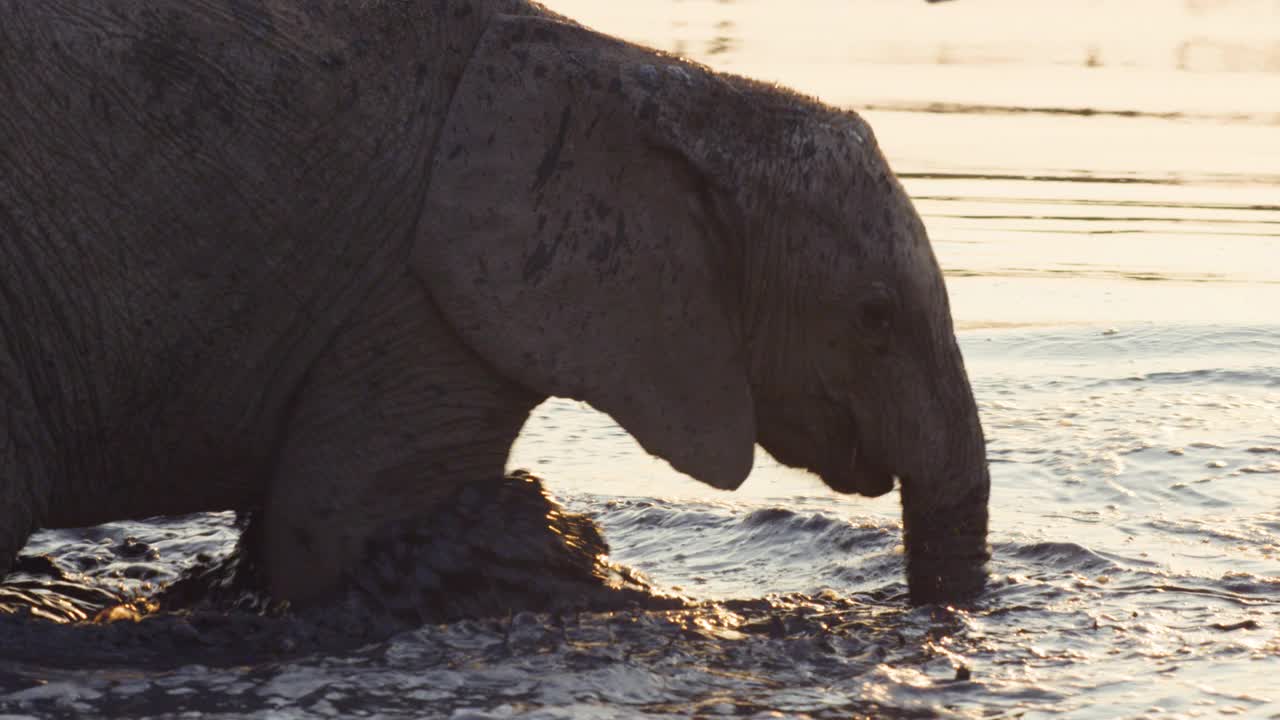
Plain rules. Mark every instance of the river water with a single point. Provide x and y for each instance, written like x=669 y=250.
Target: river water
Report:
x=1102 y=185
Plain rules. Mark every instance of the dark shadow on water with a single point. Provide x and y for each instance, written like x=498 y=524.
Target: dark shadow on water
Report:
x=1088 y=176
x=1100 y=218
x=1099 y=202
x=795 y=654
x=946 y=108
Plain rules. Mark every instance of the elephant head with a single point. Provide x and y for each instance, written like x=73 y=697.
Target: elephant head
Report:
x=714 y=262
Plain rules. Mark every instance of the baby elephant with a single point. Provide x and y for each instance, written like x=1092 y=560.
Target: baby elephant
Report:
x=323 y=258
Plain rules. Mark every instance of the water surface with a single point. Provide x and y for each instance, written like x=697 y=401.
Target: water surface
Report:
x=1102 y=185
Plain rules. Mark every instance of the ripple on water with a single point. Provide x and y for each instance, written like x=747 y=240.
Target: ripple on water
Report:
x=1060 y=618
x=725 y=551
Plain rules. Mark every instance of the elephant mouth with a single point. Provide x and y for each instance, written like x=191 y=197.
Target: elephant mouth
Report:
x=848 y=468
x=857 y=475
x=837 y=457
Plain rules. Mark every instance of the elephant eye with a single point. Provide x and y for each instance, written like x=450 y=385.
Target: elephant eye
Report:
x=875 y=320
x=876 y=315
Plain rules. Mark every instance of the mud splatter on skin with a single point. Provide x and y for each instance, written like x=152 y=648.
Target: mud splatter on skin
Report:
x=492 y=549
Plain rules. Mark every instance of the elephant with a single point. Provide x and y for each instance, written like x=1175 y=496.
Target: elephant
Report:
x=322 y=259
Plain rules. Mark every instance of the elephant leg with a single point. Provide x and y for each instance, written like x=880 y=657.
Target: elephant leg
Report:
x=395 y=415
x=16 y=512
x=24 y=485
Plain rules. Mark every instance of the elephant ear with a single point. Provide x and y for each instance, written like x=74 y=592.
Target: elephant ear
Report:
x=567 y=236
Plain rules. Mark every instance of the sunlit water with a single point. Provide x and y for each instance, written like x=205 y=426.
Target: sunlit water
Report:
x=1102 y=184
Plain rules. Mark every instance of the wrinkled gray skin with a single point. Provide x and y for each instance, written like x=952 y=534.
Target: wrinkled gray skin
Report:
x=324 y=257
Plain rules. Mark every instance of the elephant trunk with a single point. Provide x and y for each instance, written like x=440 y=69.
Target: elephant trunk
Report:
x=945 y=521
x=947 y=548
